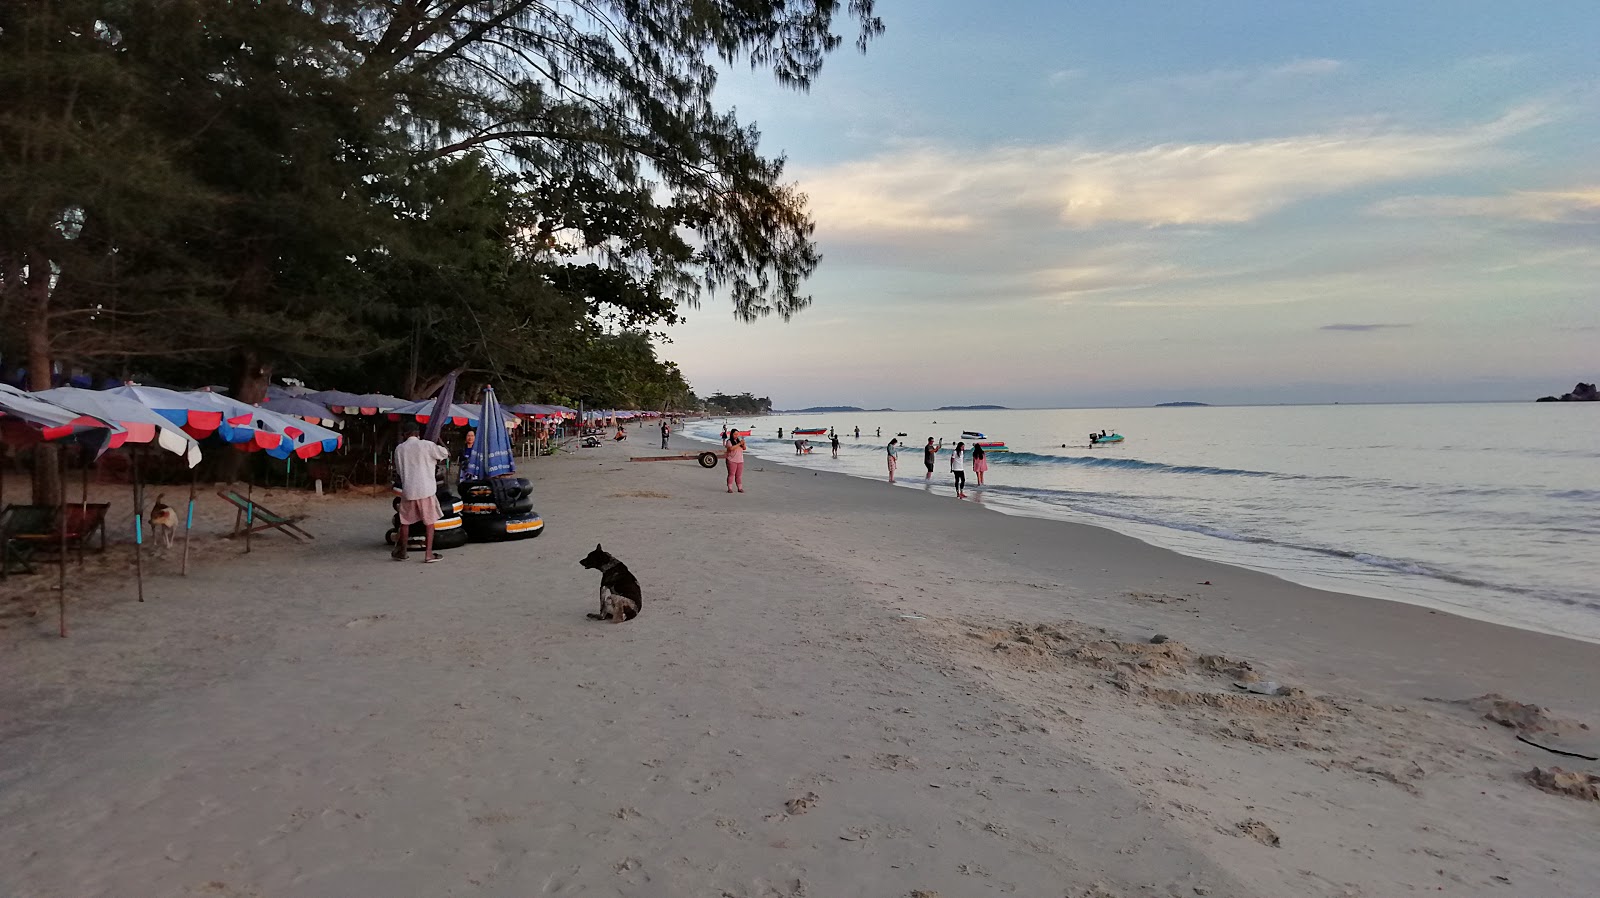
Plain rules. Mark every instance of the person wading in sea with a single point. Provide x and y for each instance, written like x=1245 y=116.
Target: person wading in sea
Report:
x=894 y=457
x=958 y=469
x=928 y=452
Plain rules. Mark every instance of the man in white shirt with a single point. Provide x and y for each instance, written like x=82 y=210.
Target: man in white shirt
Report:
x=417 y=461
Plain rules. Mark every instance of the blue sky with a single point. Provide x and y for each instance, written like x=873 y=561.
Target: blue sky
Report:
x=1043 y=204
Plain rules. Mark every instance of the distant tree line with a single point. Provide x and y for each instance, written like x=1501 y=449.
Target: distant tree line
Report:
x=742 y=404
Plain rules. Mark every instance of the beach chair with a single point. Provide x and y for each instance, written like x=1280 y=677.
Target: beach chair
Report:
x=16 y=557
x=261 y=518
x=38 y=527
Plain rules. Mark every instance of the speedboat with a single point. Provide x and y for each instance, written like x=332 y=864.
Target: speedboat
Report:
x=972 y=435
x=809 y=431
x=1101 y=438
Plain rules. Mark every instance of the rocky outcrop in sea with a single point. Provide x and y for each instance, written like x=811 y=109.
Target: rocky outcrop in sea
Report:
x=1581 y=393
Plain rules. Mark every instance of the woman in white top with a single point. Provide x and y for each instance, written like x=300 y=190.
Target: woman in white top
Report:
x=958 y=467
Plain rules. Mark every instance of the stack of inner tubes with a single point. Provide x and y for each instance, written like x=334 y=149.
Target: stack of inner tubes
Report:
x=447 y=534
x=499 y=508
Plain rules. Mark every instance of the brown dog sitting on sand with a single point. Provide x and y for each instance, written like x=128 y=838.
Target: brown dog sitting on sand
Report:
x=163 y=522
x=620 y=596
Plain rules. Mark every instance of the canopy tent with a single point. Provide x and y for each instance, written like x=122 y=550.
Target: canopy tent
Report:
x=490 y=455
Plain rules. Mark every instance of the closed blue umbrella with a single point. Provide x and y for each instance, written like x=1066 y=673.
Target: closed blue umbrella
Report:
x=491 y=452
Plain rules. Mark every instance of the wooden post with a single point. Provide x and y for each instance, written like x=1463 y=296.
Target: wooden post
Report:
x=138 y=523
x=188 y=523
x=61 y=528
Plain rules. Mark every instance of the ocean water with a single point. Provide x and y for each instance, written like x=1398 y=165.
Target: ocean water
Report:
x=1491 y=511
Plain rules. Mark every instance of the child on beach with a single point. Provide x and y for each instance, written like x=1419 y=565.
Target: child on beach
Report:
x=958 y=467
x=979 y=462
x=735 y=461
x=894 y=457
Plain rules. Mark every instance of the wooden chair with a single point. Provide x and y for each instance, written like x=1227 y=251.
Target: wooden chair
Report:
x=253 y=517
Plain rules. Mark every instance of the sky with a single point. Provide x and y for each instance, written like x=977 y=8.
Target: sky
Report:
x=1059 y=204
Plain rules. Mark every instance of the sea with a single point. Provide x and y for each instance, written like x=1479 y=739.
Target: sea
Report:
x=1490 y=511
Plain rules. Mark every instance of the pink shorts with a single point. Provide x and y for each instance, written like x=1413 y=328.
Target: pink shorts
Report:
x=425 y=510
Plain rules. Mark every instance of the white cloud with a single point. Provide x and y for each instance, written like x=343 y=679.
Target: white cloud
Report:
x=1577 y=205
x=932 y=189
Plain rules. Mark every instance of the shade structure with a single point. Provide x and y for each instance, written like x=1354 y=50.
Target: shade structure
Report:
x=199 y=413
x=140 y=424
x=26 y=418
x=475 y=409
x=301 y=408
x=422 y=413
x=296 y=436
x=490 y=455
x=355 y=403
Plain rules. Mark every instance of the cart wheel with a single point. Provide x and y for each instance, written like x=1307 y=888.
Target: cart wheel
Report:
x=708 y=459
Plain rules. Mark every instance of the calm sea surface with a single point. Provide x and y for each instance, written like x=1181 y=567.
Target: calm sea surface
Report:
x=1491 y=511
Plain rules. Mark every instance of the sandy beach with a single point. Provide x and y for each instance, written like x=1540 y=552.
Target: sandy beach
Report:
x=835 y=689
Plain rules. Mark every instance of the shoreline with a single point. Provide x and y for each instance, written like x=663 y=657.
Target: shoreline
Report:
x=945 y=491
x=833 y=689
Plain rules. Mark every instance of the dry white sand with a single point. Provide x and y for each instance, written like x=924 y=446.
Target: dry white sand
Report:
x=836 y=689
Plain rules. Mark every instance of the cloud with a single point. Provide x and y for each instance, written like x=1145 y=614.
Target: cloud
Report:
x=1362 y=328
x=935 y=190
x=1234 y=79
x=1580 y=205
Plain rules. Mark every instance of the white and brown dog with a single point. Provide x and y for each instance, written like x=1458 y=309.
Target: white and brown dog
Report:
x=163 y=523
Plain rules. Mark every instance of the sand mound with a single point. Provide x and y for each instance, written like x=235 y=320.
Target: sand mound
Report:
x=1575 y=783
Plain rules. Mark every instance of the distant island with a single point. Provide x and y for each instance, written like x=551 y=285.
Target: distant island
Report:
x=1182 y=405
x=972 y=408
x=818 y=409
x=1581 y=393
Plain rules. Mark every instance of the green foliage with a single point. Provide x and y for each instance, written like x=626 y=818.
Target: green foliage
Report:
x=742 y=404
x=376 y=192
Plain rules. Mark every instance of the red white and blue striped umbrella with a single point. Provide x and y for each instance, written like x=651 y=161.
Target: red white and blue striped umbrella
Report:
x=27 y=418
x=139 y=423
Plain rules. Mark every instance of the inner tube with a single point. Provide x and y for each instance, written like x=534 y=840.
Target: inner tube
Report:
x=707 y=459
x=448 y=533
x=485 y=529
x=502 y=496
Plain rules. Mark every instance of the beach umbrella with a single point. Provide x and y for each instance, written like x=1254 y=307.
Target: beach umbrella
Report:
x=490 y=455
x=297 y=437
x=425 y=411
x=26 y=419
x=306 y=409
x=200 y=413
x=139 y=423
x=141 y=426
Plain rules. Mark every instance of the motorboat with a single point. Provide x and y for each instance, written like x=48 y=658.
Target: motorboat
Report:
x=972 y=435
x=1102 y=438
x=809 y=431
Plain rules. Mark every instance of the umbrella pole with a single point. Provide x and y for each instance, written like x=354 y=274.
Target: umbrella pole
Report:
x=188 y=524
x=250 y=510
x=61 y=529
x=85 y=500
x=138 y=524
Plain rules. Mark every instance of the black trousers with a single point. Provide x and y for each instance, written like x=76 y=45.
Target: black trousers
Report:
x=961 y=479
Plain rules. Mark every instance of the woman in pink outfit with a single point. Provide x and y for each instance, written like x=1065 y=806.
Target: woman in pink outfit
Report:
x=734 y=460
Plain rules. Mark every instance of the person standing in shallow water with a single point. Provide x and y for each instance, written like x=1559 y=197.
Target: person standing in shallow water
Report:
x=894 y=457
x=858 y=433
x=980 y=461
x=958 y=469
x=928 y=452
x=835 y=441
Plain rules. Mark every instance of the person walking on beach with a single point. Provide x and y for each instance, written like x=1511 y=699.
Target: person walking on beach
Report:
x=835 y=441
x=958 y=468
x=417 y=462
x=666 y=431
x=928 y=452
x=980 y=462
x=894 y=457
x=735 y=461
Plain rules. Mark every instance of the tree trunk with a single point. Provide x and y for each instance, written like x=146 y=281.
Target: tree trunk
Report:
x=46 y=470
x=251 y=376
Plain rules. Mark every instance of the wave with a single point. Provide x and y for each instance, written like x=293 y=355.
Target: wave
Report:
x=1082 y=502
x=1134 y=464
